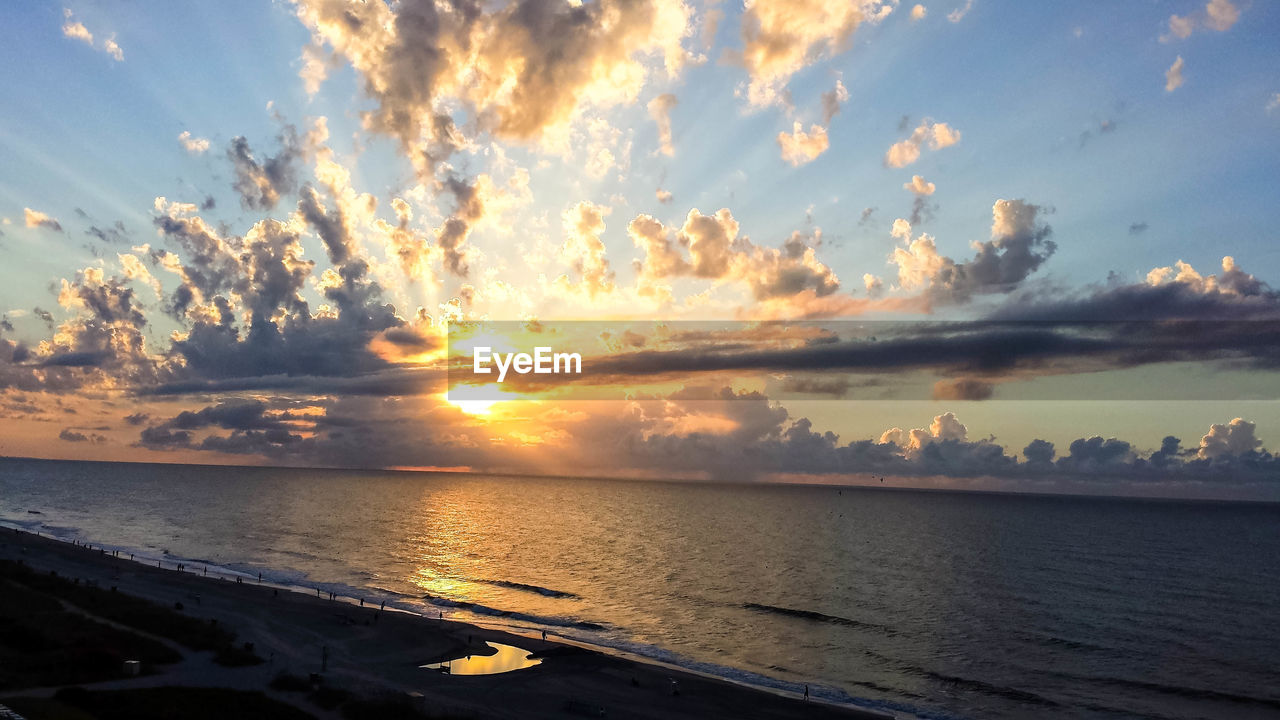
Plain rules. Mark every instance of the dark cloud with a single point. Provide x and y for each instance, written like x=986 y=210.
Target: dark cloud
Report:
x=72 y=435
x=333 y=228
x=262 y=183
x=1138 y=228
x=1104 y=127
x=1020 y=245
x=976 y=351
x=1039 y=452
x=112 y=235
x=1235 y=298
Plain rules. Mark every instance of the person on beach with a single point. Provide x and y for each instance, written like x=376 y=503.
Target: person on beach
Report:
x=806 y=692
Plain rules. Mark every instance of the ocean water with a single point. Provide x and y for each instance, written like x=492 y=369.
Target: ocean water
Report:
x=940 y=605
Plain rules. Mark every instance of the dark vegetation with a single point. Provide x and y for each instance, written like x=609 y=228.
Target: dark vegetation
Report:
x=134 y=612
x=386 y=707
x=42 y=643
x=160 y=703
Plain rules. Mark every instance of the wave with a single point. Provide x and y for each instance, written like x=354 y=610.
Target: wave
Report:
x=486 y=610
x=1024 y=696
x=546 y=592
x=1192 y=693
x=815 y=616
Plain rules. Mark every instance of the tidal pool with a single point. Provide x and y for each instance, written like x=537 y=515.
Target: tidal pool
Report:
x=506 y=659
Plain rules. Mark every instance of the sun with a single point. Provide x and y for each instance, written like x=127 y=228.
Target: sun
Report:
x=474 y=407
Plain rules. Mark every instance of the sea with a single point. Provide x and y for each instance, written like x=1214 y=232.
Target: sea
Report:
x=925 y=604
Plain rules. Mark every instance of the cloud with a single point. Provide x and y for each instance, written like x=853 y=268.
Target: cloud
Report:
x=660 y=110
x=1219 y=15
x=1018 y=247
x=261 y=183
x=115 y=234
x=1173 y=76
x=584 y=251
x=663 y=196
x=1179 y=27
x=1274 y=102
x=37 y=219
x=1233 y=280
x=933 y=135
x=918 y=12
x=1233 y=439
x=193 y=145
x=922 y=189
x=521 y=71
x=76 y=30
x=1104 y=127
x=1138 y=228
x=71 y=435
x=782 y=37
x=717 y=252
x=958 y=14
x=873 y=284
x=832 y=100
x=799 y=147
x=260 y=277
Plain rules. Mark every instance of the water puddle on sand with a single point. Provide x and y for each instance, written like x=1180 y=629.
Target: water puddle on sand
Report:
x=508 y=658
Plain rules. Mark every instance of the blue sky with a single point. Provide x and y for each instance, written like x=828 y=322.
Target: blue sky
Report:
x=1064 y=107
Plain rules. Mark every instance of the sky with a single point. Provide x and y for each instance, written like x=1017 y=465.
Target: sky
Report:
x=240 y=233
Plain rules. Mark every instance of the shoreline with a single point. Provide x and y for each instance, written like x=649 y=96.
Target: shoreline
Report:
x=385 y=651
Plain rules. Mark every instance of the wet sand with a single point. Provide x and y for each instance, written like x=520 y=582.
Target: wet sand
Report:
x=370 y=652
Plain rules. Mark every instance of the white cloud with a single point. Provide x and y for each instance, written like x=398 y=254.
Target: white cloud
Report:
x=918 y=12
x=1173 y=76
x=874 y=285
x=944 y=427
x=193 y=145
x=36 y=219
x=800 y=147
x=958 y=14
x=76 y=30
x=110 y=47
x=1233 y=439
x=660 y=110
x=919 y=186
x=1275 y=102
x=935 y=135
x=782 y=37
x=1220 y=15
x=1217 y=15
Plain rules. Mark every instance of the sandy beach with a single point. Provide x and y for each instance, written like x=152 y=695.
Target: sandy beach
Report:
x=366 y=651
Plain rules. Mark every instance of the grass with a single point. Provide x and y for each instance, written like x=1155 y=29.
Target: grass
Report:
x=43 y=644
x=156 y=704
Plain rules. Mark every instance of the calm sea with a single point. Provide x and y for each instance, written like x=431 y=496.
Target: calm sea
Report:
x=943 y=605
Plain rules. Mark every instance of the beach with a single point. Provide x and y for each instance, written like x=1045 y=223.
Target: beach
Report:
x=368 y=651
